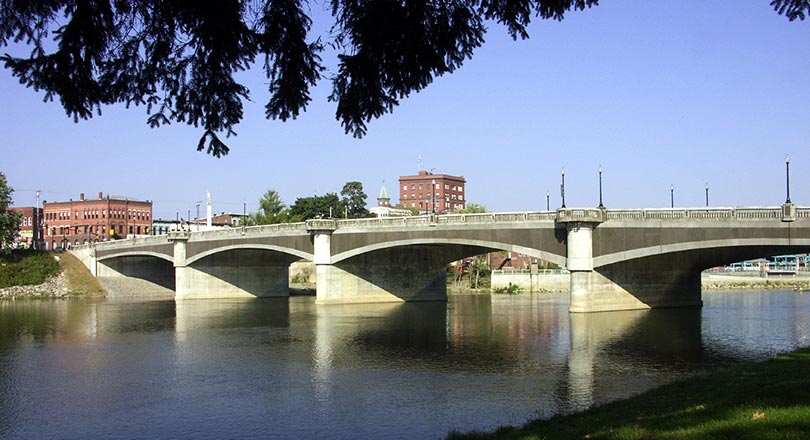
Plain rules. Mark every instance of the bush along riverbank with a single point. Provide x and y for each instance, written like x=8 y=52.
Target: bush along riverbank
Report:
x=765 y=400
x=39 y=274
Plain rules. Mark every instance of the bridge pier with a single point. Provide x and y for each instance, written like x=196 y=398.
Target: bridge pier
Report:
x=387 y=275
x=589 y=290
x=230 y=274
x=642 y=283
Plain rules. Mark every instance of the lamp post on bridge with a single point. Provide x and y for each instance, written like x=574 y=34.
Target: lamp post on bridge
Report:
x=600 y=187
x=787 y=177
x=562 y=187
x=197 y=220
x=548 y=201
x=671 y=196
x=707 y=194
x=433 y=194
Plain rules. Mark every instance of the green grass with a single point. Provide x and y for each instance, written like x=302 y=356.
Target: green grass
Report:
x=767 y=400
x=80 y=280
x=24 y=267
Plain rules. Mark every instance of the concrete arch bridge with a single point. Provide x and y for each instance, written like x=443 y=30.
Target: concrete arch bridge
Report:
x=619 y=259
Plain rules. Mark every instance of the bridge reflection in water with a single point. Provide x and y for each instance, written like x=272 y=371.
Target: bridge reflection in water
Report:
x=245 y=366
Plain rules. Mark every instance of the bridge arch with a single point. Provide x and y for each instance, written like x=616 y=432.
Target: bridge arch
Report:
x=717 y=252
x=137 y=254
x=247 y=246
x=493 y=245
x=154 y=267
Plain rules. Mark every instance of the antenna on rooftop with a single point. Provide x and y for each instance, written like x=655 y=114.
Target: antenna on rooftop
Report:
x=419 y=161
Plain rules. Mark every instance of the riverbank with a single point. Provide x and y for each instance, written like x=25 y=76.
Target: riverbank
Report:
x=754 y=280
x=71 y=279
x=765 y=400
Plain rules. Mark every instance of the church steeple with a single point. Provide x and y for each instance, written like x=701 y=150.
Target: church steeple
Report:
x=383 y=199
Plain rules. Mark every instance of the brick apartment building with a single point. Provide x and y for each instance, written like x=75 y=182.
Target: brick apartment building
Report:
x=30 y=233
x=430 y=192
x=71 y=223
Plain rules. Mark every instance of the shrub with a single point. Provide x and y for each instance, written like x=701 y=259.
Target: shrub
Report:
x=26 y=267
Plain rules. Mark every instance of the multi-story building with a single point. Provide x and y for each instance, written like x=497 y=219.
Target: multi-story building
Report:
x=83 y=221
x=428 y=192
x=30 y=233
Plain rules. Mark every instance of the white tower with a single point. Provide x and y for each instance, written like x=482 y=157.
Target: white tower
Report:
x=208 y=211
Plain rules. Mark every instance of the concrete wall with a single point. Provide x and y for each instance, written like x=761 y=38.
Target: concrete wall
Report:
x=86 y=256
x=541 y=282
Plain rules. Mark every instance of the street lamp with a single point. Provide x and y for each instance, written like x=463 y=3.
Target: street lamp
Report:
x=197 y=220
x=707 y=194
x=433 y=194
x=671 y=196
x=562 y=187
x=787 y=176
x=600 y=187
x=548 y=201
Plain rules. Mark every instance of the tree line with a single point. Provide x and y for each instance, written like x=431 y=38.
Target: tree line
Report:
x=350 y=203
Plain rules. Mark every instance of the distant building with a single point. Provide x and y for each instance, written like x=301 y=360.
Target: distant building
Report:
x=218 y=221
x=430 y=192
x=30 y=232
x=384 y=208
x=82 y=221
x=163 y=227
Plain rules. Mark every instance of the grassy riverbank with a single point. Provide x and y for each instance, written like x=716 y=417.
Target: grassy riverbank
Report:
x=26 y=267
x=40 y=274
x=766 y=400
x=80 y=280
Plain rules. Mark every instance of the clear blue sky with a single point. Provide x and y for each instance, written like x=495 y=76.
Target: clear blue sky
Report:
x=659 y=93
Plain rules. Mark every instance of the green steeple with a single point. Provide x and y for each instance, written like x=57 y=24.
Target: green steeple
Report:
x=383 y=199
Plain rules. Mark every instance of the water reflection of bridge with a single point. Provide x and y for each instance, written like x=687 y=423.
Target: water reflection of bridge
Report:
x=528 y=345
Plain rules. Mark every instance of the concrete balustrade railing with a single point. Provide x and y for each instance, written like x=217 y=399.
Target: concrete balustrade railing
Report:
x=593 y=215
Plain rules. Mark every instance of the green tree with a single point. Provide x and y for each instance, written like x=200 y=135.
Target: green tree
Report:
x=271 y=210
x=472 y=208
x=9 y=220
x=306 y=208
x=353 y=199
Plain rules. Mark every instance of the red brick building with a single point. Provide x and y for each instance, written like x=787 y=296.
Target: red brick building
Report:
x=430 y=192
x=30 y=234
x=71 y=223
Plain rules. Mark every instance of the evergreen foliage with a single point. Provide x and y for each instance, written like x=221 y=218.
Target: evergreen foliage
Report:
x=179 y=58
x=271 y=210
x=353 y=199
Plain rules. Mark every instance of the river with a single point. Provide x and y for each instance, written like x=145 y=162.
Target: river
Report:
x=291 y=369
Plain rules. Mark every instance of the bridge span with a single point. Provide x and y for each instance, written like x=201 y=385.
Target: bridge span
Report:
x=619 y=259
